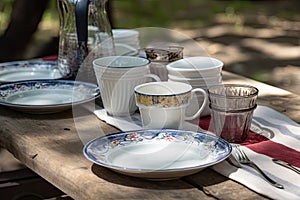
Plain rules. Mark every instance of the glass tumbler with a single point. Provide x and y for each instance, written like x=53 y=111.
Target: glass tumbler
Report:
x=161 y=57
x=232 y=107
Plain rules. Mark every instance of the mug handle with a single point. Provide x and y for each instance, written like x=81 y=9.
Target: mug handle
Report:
x=205 y=101
x=153 y=76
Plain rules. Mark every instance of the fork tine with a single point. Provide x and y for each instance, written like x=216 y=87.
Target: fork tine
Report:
x=244 y=155
x=240 y=153
x=236 y=152
x=243 y=159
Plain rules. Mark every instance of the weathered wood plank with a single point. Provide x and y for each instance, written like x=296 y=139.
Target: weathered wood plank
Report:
x=50 y=146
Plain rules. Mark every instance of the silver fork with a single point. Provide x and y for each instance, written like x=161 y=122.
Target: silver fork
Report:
x=243 y=159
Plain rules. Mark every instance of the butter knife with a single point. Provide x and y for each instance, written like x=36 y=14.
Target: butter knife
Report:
x=287 y=165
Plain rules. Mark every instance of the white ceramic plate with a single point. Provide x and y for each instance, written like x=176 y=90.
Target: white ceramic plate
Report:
x=29 y=70
x=46 y=96
x=157 y=154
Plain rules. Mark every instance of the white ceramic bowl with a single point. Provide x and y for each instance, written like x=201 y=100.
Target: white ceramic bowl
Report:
x=126 y=36
x=195 y=67
x=199 y=82
x=203 y=86
x=192 y=81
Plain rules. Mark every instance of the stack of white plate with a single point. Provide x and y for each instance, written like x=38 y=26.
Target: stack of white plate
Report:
x=126 y=41
x=199 y=72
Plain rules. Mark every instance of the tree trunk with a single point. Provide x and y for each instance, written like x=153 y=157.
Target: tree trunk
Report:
x=24 y=20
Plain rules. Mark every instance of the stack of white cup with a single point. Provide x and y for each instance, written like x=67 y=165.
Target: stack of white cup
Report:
x=126 y=42
x=199 y=72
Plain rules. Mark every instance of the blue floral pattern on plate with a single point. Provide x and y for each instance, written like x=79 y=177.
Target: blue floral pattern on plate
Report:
x=157 y=154
x=46 y=96
x=29 y=70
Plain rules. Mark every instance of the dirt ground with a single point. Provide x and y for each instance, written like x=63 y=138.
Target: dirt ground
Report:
x=269 y=53
x=257 y=45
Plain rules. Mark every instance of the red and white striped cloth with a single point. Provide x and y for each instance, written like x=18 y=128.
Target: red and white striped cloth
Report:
x=283 y=143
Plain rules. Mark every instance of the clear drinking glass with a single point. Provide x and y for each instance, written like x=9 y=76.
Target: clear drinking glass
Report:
x=232 y=107
x=85 y=31
x=160 y=57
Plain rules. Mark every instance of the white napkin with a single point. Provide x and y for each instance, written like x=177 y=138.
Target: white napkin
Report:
x=285 y=132
x=134 y=122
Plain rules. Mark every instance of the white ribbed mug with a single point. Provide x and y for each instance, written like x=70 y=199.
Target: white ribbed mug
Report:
x=116 y=77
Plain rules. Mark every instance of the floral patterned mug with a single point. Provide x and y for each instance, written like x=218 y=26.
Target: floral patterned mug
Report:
x=163 y=104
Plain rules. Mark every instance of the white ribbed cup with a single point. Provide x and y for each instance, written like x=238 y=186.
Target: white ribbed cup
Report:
x=116 y=77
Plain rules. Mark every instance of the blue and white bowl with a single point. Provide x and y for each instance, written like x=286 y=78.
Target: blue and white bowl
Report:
x=157 y=154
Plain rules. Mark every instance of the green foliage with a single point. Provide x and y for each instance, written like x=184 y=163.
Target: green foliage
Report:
x=188 y=14
x=51 y=14
x=5 y=10
x=165 y=13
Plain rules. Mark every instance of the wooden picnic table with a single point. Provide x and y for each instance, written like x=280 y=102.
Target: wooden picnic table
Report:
x=51 y=146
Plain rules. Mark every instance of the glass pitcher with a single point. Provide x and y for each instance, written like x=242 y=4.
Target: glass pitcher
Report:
x=85 y=34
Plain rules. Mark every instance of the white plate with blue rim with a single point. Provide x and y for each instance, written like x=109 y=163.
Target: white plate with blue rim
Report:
x=157 y=154
x=29 y=70
x=46 y=96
